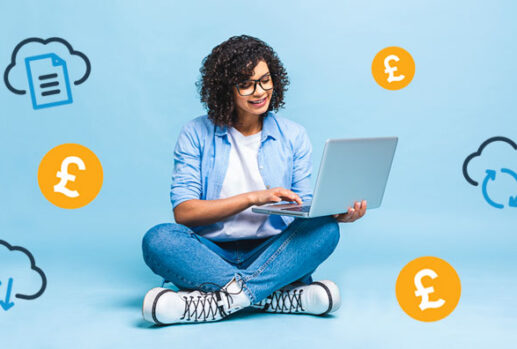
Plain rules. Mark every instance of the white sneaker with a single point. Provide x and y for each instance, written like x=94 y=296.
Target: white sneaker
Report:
x=164 y=306
x=318 y=298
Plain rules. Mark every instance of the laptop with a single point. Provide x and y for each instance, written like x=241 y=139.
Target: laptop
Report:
x=350 y=170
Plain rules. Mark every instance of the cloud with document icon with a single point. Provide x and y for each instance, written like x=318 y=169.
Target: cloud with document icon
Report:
x=47 y=68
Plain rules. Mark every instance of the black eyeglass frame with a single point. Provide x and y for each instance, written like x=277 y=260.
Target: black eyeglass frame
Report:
x=255 y=82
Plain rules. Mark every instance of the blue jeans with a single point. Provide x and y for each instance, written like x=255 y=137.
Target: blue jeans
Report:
x=263 y=266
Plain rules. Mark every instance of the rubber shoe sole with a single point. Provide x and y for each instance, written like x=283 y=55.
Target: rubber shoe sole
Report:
x=149 y=305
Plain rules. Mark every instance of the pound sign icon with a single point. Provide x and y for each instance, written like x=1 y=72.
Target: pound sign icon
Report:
x=390 y=70
x=393 y=68
x=424 y=292
x=428 y=278
x=65 y=176
x=71 y=160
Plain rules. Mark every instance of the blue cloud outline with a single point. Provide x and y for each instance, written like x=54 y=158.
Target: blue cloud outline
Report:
x=478 y=153
x=33 y=267
x=44 y=42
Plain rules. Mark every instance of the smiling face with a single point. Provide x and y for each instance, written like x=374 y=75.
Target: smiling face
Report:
x=258 y=102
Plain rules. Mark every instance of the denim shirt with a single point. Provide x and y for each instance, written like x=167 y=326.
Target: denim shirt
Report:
x=201 y=159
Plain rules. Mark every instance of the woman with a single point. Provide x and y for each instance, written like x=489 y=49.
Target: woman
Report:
x=221 y=255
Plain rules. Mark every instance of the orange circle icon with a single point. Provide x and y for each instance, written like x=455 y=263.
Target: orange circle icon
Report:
x=428 y=289
x=70 y=176
x=393 y=68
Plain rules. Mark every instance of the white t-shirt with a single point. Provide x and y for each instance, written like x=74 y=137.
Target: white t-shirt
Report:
x=242 y=176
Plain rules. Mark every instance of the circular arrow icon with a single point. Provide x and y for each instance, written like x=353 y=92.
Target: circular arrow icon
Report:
x=490 y=173
x=490 y=176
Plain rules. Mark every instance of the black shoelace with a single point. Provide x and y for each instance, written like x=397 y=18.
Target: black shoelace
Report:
x=205 y=307
x=286 y=301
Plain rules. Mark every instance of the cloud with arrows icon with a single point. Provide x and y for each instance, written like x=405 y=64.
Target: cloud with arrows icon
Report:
x=495 y=159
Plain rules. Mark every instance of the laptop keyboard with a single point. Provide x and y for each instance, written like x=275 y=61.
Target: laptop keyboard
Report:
x=298 y=209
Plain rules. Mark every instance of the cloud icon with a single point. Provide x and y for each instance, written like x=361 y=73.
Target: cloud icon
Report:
x=14 y=74
x=9 y=259
x=494 y=166
x=499 y=140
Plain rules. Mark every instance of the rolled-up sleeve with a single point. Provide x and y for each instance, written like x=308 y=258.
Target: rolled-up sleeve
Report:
x=186 y=176
x=302 y=166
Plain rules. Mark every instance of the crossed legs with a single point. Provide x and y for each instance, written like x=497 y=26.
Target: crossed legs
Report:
x=179 y=255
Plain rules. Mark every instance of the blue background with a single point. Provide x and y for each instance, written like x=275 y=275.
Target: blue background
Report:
x=145 y=58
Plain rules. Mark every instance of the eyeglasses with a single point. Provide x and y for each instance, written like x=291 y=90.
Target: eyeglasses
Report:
x=248 y=87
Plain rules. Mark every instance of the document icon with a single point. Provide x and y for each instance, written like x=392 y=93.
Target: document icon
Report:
x=48 y=81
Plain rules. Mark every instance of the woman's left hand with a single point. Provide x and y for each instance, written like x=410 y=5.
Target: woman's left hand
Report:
x=353 y=214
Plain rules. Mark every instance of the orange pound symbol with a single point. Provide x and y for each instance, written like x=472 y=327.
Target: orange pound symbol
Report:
x=428 y=289
x=70 y=176
x=393 y=68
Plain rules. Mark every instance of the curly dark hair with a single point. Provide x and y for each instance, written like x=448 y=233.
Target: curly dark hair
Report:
x=232 y=62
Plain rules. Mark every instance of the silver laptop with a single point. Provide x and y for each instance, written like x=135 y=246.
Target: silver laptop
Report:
x=350 y=170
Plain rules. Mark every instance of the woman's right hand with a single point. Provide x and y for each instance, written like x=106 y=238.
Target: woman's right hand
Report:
x=278 y=194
